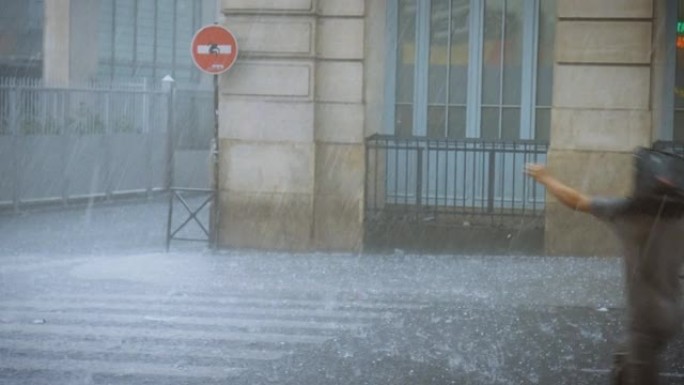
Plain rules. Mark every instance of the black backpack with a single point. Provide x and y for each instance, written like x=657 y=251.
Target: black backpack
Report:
x=658 y=173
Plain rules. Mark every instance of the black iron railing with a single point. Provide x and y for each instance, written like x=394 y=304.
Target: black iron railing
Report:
x=671 y=146
x=425 y=178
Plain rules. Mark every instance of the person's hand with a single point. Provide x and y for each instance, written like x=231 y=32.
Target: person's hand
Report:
x=537 y=172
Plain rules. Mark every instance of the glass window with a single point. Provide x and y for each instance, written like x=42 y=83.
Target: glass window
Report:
x=148 y=38
x=483 y=80
x=21 y=38
x=448 y=69
x=501 y=69
x=545 y=61
x=406 y=52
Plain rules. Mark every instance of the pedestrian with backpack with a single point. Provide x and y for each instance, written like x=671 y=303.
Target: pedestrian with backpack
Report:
x=650 y=226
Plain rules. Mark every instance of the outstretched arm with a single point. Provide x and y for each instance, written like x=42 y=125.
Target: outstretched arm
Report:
x=565 y=194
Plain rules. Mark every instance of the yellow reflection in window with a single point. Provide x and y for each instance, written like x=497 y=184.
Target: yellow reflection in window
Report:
x=439 y=54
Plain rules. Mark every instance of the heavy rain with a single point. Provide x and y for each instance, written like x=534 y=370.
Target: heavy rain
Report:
x=315 y=192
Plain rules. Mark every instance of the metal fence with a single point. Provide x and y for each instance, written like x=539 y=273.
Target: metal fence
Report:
x=94 y=140
x=671 y=146
x=193 y=119
x=425 y=179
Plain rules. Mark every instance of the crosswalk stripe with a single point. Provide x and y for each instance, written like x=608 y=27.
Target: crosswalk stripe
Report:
x=17 y=344
x=88 y=305
x=606 y=371
x=165 y=333
x=154 y=335
x=29 y=265
x=176 y=321
x=118 y=368
x=208 y=299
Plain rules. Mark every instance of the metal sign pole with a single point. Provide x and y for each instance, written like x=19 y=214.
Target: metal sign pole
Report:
x=215 y=187
x=214 y=50
x=169 y=86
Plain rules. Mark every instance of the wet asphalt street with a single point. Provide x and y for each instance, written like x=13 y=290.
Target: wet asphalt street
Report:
x=88 y=295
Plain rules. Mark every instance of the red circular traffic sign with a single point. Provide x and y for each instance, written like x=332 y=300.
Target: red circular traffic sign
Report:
x=214 y=49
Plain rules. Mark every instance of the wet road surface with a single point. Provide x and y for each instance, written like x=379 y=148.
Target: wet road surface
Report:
x=89 y=296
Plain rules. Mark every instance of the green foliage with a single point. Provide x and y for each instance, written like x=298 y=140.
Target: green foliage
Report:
x=33 y=126
x=85 y=121
x=124 y=125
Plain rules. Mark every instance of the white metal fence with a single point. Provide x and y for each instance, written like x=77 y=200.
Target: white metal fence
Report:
x=61 y=143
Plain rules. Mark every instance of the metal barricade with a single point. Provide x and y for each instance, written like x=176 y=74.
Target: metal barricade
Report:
x=203 y=198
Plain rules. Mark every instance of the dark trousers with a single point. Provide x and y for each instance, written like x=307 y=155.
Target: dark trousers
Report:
x=636 y=362
x=654 y=318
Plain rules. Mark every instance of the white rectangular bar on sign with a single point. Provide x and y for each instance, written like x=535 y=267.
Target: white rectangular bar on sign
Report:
x=217 y=49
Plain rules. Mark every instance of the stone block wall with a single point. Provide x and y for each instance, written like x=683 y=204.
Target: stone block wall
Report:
x=292 y=120
x=602 y=110
x=309 y=86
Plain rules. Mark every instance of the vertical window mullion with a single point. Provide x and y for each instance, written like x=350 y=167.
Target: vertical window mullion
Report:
x=154 y=40
x=420 y=96
x=528 y=98
x=447 y=95
x=666 y=129
x=502 y=58
x=134 y=68
x=196 y=22
x=174 y=37
x=475 y=42
x=113 y=37
x=391 y=53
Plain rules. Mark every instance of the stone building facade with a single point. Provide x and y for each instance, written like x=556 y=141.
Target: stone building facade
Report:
x=311 y=83
x=294 y=111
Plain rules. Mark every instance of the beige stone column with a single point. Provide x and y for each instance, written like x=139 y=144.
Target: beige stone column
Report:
x=601 y=111
x=292 y=126
x=56 y=39
x=266 y=130
x=339 y=128
x=70 y=40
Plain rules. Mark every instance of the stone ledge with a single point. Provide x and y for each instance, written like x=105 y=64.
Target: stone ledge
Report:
x=266 y=121
x=338 y=223
x=270 y=80
x=273 y=36
x=266 y=221
x=600 y=130
x=258 y=167
x=602 y=87
x=605 y=9
x=594 y=173
x=267 y=6
x=570 y=233
x=329 y=44
x=340 y=82
x=340 y=170
x=341 y=7
x=340 y=122
x=625 y=42
x=600 y=173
